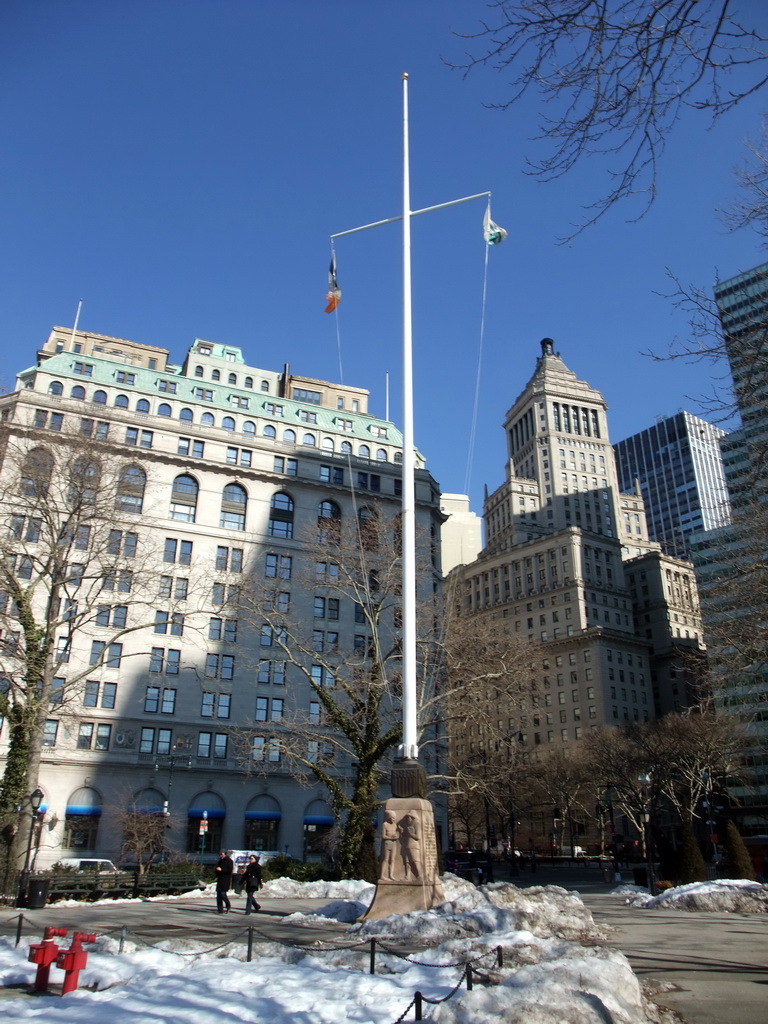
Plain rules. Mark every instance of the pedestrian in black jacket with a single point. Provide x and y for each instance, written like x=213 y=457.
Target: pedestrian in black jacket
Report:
x=253 y=882
x=224 y=869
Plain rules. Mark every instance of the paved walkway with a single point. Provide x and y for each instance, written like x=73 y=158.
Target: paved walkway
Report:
x=716 y=964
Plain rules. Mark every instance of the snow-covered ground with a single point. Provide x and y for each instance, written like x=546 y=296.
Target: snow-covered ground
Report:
x=555 y=971
x=730 y=895
x=547 y=977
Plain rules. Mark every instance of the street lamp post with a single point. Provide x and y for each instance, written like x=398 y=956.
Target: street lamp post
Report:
x=171 y=762
x=645 y=782
x=35 y=800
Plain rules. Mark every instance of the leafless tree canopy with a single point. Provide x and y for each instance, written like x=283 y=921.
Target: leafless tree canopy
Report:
x=615 y=76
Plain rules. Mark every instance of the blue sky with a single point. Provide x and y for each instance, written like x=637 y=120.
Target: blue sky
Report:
x=180 y=165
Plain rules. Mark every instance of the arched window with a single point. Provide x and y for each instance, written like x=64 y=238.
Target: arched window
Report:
x=164 y=409
x=327 y=444
x=367 y=523
x=78 y=391
x=289 y=436
x=269 y=431
x=57 y=388
x=398 y=458
x=381 y=455
x=100 y=397
x=228 y=423
x=130 y=489
x=184 y=498
x=265 y=385
x=82 y=814
x=186 y=415
x=142 y=406
x=262 y=821
x=215 y=375
x=364 y=451
x=232 y=379
x=121 y=402
x=328 y=523
x=83 y=483
x=207 y=419
x=249 y=427
x=248 y=382
x=198 y=371
x=281 y=515
x=346 y=447
x=36 y=473
x=309 y=440
x=234 y=503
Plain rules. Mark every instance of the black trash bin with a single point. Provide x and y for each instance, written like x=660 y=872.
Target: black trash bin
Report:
x=37 y=893
x=641 y=876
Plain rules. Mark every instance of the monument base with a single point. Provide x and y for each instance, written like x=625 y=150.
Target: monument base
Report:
x=408 y=875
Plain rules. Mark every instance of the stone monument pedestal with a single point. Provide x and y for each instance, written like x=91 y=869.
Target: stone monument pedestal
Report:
x=408 y=874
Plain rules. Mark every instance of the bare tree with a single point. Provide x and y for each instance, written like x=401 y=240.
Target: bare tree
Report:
x=72 y=588
x=615 y=77
x=342 y=726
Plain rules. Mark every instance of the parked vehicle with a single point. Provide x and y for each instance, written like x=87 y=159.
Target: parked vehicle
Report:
x=85 y=864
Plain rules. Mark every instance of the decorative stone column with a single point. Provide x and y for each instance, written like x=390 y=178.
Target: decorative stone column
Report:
x=408 y=878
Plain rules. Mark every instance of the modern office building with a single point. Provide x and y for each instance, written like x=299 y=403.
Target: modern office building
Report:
x=568 y=563
x=230 y=486
x=679 y=466
x=731 y=561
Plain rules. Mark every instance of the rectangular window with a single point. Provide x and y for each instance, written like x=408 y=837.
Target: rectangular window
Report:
x=172 y=661
x=83 y=369
x=310 y=397
x=208 y=705
x=277 y=709
x=152 y=699
x=103 y=737
x=50 y=732
x=262 y=709
x=108 y=695
x=147 y=741
x=258 y=744
x=187 y=446
x=125 y=378
x=168 y=387
x=91 y=693
x=278 y=567
x=220 y=743
x=177 y=551
x=168 y=705
x=204 y=744
x=204 y=394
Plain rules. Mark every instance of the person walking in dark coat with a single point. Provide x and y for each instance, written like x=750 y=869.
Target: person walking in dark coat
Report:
x=224 y=870
x=252 y=883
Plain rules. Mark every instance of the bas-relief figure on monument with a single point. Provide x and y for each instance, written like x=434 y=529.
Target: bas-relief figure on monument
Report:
x=401 y=848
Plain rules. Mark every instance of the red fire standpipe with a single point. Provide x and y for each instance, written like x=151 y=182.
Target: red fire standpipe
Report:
x=44 y=954
x=73 y=960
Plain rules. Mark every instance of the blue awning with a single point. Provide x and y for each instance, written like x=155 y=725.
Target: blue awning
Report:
x=197 y=812
x=263 y=816
x=80 y=809
x=317 y=819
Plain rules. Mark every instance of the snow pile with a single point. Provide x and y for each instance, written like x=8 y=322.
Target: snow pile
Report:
x=545 y=911
x=726 y=895
x=287 y=888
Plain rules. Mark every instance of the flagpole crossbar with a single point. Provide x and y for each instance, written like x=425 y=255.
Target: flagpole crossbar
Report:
x=413 y=213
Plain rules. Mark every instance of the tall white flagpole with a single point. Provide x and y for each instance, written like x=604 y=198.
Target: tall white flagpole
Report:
x=409 y=748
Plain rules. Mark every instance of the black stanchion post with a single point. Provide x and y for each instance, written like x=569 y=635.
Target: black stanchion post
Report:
x=373 y=958
x=499 y=956
x=19 y=926
x=123 y=934
x=469 y=977
x=417 y=1006
x=250 y=943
